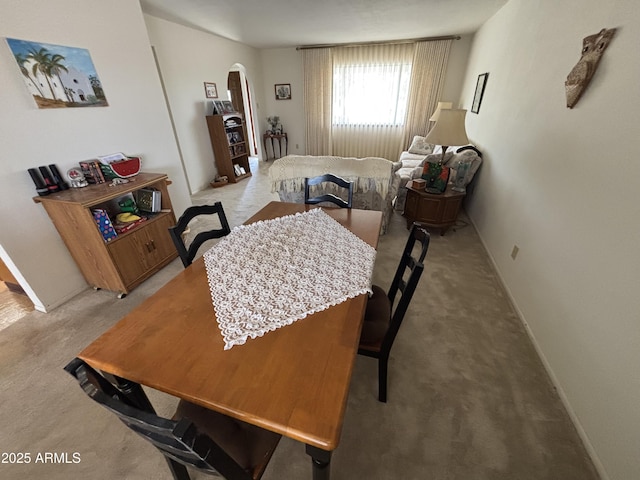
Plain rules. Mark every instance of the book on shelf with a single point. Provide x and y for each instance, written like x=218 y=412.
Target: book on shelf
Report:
x=104 y=224
x=125 y=227
x=149 y=200
x=91 y=171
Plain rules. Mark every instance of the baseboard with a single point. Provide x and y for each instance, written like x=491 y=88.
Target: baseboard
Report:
x=547 y=366
x=46 y=309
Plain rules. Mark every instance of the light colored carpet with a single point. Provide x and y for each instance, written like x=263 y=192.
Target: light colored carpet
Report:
x=468 y=397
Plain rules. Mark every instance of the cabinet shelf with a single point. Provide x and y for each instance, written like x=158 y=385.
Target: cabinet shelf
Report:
x=151 y=217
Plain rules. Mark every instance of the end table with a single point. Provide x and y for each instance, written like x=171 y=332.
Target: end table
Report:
x=432 y=210
x=279 y=137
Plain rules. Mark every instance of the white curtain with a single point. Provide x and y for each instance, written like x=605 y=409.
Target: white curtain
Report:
x=369 y=101
x=370 y=85
x=429 y=69
x=317 y=91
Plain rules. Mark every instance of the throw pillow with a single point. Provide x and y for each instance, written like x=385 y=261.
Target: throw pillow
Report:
x=437 y=157
x=419 y=146
x=436 y=176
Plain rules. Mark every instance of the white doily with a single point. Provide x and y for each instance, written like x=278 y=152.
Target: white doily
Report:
x=271 y=273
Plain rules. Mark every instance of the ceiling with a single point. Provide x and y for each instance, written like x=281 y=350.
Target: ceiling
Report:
x=289 y=23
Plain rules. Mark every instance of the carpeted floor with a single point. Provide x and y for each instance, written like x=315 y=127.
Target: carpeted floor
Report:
x=468 y=397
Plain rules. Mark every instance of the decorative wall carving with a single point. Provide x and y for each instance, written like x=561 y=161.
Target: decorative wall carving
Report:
x=578 y=79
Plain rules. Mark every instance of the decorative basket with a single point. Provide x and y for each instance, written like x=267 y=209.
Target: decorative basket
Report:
x=219 y=183
x=121 y=169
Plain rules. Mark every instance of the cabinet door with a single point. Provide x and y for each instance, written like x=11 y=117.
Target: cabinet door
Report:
x=430 y=210
x=131 y=255
x=451 y=209
x=160 y=243
x=411 y=204
x=143 y=250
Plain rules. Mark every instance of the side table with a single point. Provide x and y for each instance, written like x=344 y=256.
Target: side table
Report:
x=432 y=210
x=279 y=137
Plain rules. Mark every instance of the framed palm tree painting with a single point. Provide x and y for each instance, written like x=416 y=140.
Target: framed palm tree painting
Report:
x=58 y=76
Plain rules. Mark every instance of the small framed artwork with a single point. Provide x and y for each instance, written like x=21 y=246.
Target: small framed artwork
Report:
x=477 y=97
x=227 y=107
x=210 y=90
x=283 y=91
x=219 y=107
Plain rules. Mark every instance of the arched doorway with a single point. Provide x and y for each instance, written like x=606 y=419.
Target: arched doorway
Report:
x=239 y=89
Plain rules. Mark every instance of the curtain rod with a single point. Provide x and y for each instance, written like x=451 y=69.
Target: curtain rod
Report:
x=387 y=42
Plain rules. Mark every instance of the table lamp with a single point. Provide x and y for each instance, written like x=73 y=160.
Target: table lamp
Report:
x=449 y=130
x=441 y=105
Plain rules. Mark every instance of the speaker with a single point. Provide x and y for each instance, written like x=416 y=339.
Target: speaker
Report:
x=41 y=187
x=48 y=180
x=57 y=178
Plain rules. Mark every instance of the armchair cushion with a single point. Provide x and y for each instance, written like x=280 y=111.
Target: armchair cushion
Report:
x=419 y=146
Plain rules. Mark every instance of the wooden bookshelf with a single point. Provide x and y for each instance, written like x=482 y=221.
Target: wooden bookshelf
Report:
x=230 y=147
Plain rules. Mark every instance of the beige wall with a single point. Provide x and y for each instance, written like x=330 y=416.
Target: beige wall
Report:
x=562 y=184
x=135 y=122
x=284 y=65
x=188 y=58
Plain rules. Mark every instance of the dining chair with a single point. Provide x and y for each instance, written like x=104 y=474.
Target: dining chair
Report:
x=195 y=437
x=381 y=321
x=187 y=254
x=328 y=197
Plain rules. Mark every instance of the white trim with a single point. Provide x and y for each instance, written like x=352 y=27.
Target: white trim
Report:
x=37 y=304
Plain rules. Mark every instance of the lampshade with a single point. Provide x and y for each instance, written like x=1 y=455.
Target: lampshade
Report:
x=449 y=129
x=441 y=105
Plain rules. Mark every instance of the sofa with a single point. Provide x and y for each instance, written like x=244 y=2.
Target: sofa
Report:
x=375 y=180
x=413 y=159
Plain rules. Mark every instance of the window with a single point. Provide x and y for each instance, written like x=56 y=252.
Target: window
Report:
x=374 y=94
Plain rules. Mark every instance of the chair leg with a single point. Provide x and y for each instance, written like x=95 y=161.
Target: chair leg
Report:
x=178 y=470
x=382 y=378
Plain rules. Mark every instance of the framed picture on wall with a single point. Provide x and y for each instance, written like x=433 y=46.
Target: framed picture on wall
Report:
x=477 y=97
x=210 y=90
x=283 y=91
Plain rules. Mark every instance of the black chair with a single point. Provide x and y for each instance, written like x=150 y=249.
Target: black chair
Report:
x=195 y=437
x=329 y=197
x=188 y=254
x=381 y=321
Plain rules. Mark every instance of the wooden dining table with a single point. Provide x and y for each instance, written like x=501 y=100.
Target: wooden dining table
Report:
x=293 y=381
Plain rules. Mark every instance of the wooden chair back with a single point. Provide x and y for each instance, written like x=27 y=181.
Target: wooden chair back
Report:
x=187 y=254
x=329 y=197
x=382 y=321
x=179 y=441
x=406 y=288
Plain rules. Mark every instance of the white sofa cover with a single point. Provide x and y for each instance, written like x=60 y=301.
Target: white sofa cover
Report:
x=375 y=180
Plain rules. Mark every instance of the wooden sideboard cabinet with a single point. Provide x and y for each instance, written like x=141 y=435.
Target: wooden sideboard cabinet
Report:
x=133 y=256
x=433 y=210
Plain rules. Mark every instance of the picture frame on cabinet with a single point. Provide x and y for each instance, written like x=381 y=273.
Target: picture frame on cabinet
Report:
x=227 y=107
x=210 y=90
x=283 y=91
x=219 y=108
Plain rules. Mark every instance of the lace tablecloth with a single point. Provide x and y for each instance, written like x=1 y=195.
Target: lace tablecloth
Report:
x=271 y=273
